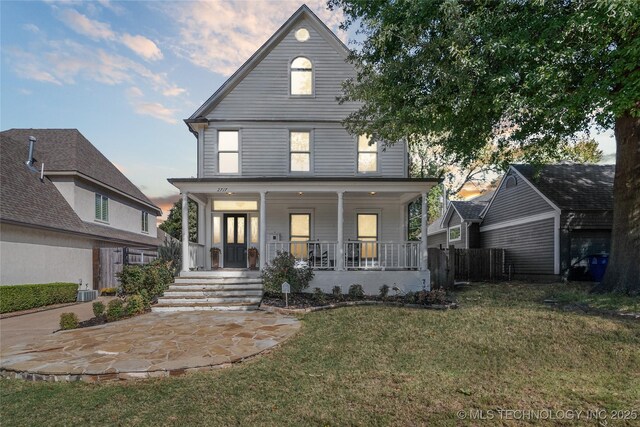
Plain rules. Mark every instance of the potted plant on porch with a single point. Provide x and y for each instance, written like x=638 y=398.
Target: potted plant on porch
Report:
x=253 y=258
x=215 y=258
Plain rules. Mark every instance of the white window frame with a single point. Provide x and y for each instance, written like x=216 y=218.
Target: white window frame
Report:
x=239 y=151
x=310 y=152
x=376 y=152
x=145 y=222
x=459 y=227
x=99 y=213
x=313 y=78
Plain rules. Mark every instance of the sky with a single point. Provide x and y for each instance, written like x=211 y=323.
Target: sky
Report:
x=127 y=73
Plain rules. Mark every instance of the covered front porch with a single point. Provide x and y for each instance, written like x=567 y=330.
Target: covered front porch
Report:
x=340 y=228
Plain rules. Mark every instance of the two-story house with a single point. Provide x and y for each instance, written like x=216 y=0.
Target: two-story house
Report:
x=278 y=171
x=61 y=202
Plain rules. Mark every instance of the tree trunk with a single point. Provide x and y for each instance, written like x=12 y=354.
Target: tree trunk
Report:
x=623 y=271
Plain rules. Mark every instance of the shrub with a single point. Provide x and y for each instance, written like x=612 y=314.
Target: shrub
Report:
x=135 y=305
x=154 y=278
x=436 y=296
x=115 y=310
x=384 y=292
x=24 y=297
x=284 y=269
x=98 y=308
x=171 y=253
x=410 y=298
x=108 y=291
x=337 y=292
x=356 y=291
x=319 y=295
x=68 y=321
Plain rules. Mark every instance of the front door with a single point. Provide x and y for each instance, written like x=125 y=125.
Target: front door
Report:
x=235 y=241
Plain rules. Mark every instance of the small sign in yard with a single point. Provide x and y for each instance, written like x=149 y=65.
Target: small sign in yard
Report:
x=286 y=289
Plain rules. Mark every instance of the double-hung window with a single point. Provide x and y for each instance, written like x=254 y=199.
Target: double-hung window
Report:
x=228 y=152
x=300 y=151
x=102 y=208
x=301 y=76
x=367 y=155
x=145 y=222
x=300 y=233
x=368 y=235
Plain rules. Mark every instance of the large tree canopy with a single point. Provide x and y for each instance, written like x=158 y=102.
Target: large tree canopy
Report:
x=173 y=224
x=457 y=75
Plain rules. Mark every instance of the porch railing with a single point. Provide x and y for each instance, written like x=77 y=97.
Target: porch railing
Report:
x=196 y=256
x=358 y=255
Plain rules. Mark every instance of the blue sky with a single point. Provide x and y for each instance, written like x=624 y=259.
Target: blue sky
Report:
x=126 y=73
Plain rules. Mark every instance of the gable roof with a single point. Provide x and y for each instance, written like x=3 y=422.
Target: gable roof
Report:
x=576 y=187
x=468 y=210
x=67 y=150
x=26 y=200
x=260 y=54
x=435 y=227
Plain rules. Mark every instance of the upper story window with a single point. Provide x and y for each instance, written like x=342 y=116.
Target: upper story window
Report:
x=302 y=35
x=228 y=152
x=300 y=149
x=455 y=233
x=145 y=222
x=301 y=76
x=102 y=208
x=367 y=155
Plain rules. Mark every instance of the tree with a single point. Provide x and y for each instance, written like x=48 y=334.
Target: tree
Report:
x=173 y=224
x=529 y=74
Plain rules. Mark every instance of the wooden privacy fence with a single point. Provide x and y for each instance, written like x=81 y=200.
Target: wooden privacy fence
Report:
x=465 y=265
x=108 y=262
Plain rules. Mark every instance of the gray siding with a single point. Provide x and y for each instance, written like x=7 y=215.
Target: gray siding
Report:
x=474 y=235
x=438 y=240
x=529 y=247
x=264 y=92
x=602 y=220
x=516 y=202
x=454 y=221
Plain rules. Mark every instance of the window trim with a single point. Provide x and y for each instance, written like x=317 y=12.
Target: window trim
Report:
x=145 y=222
x=459 y=227
x=310 y=152
x=368 y=212
x=239 y=151
x=313 y=78
x=307 y=213
x=377 y=153
x=103 y=199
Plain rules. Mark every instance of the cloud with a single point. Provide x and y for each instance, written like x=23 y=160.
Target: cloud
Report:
x=221 y=35
x=142 y=46
x=86 y=26
x=153 y=109
x=118 y=10
x=32 y=28
x=174 y=91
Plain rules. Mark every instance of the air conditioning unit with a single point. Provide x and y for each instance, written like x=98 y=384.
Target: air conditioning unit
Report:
x=87 y=295
x=274 y=237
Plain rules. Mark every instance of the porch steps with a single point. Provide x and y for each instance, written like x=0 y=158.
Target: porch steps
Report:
x=205 y=291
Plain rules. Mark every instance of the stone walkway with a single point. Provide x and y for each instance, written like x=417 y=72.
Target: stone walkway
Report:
x=151 y=345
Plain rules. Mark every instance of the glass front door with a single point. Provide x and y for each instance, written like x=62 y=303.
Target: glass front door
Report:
x=235 y=241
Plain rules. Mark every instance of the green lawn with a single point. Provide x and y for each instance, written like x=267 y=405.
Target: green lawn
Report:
x=503 y=348
x=578 y=293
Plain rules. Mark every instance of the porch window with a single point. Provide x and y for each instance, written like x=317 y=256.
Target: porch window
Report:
x=455 y=233
x=415 y=219
x=299 y=231
x=228 y=152
x=217 y=230
x=145 y=222
x=102 y=208
x=301 y=76
x=368 y=234
x=254 y=229
x=235 y=205
x=300 y=147
x=367 y=155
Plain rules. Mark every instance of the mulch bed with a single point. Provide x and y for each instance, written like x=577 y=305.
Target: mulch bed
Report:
x=101 y=320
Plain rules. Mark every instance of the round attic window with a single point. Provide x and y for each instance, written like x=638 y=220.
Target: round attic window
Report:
x=302 y=35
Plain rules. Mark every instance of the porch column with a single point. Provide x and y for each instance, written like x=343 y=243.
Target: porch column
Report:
x=185 y=232
x=263 y=229
x=424 y=265
x=207 y=235
x=340 y=248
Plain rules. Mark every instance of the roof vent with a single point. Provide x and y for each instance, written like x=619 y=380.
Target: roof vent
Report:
x=30 y=159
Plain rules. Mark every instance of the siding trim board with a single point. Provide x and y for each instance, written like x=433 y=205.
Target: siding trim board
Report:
x=519 y=221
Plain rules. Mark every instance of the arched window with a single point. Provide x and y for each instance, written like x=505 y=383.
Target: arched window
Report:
x=301 y=76
x=512 y=181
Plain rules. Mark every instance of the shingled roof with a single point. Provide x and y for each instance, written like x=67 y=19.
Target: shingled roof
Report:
x=26 y=200
x=469 y=210
x=576 y=187
x=67 y=150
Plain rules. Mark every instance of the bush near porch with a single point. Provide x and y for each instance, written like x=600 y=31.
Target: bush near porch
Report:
x=282 y=269
x=24 y=297
x=149 y=281
x=504 y=348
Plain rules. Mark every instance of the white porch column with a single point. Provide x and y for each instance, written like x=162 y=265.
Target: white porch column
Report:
x=185 y=232
x=207 y=235
x=424 y=265
x=263 y=229
x=340 y=248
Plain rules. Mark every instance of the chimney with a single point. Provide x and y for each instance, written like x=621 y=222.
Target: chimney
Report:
x=30 y=159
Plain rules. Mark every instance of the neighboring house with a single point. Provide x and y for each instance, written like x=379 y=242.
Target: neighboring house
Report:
x=278 y=171
x=57 y=211
x=550 y=220
x=460 y=225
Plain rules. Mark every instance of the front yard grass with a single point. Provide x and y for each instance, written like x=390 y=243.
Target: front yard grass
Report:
x=578 y=294
x=377 y=366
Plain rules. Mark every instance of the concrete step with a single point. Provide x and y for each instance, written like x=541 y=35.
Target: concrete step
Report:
x=208 y=300
x=203 y=307
x=217 y=280
x=213 y=293
x=210 y=287
x=221 y=273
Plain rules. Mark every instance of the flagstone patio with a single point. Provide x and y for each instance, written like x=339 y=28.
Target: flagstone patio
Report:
x=151 y=345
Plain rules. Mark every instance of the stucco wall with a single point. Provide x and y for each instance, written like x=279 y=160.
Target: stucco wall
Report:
x=29 y=255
